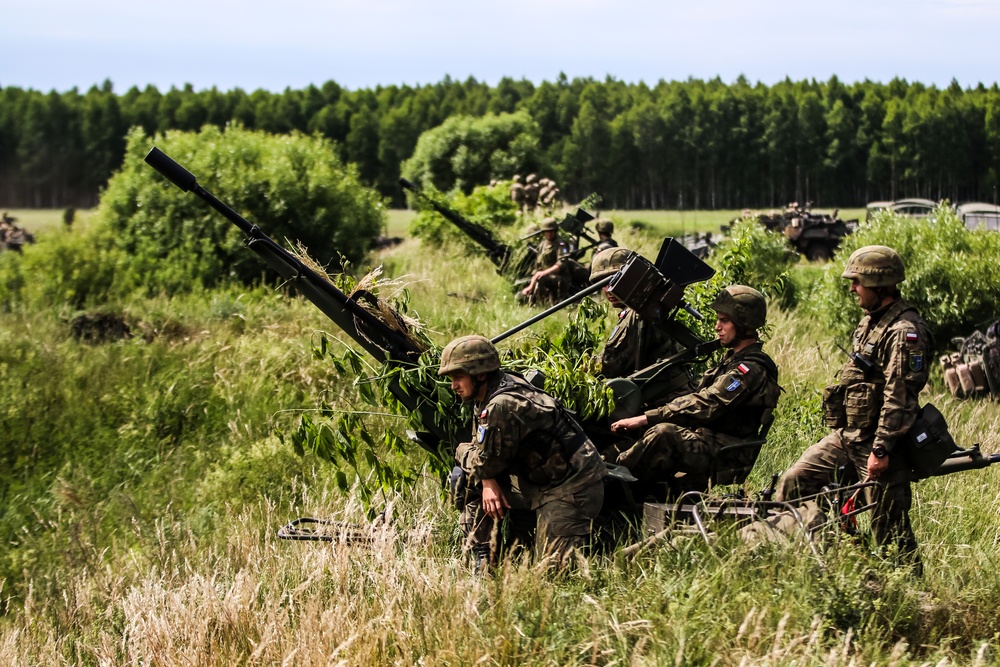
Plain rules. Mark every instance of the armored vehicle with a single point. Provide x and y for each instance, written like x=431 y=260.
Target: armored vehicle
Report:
x=815 y=235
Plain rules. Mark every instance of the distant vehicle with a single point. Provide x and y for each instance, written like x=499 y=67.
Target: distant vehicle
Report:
x=913 y=207
x=815 y=235
x=977 y=215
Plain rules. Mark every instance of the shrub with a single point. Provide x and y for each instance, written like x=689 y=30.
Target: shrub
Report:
x=465 y=151
x=951 y=274
x=487 y=205
x=294 y=186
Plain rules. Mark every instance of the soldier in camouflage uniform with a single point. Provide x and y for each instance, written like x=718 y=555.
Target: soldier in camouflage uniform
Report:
x=551 y=281
x=733 y=403
x=634 y=343
x=871 y=410
x=605 y=228
x=525 y=444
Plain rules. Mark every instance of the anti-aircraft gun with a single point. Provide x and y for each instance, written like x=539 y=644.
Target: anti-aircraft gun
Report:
x=654 y=288
x=513 y=261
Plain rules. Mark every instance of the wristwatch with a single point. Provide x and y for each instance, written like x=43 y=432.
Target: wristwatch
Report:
x=879 y=451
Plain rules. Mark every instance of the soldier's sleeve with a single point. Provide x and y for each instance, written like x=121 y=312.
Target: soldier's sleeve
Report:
x=619 y=351
x=905 y=368
x=498 y=432
x=710 y=403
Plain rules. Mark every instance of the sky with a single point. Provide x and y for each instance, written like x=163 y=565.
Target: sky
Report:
x=279 y=44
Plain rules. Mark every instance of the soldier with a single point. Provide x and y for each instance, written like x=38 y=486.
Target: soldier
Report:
x=605 y=228
x=875 y=402
x=633 y=343
x=550 y=280
x=734 y=401
x=523 y=432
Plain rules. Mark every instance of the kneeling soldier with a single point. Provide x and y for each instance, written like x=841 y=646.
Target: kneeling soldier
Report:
x=521 y=432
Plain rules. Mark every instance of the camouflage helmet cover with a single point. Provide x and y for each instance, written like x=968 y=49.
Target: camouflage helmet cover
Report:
x=608 y=261
x=745 y=306
x=472 y=354
x=549 y=225
x=875 y=266
x=604 y=226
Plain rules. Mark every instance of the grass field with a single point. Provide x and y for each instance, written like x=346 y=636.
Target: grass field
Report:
x=153 y=473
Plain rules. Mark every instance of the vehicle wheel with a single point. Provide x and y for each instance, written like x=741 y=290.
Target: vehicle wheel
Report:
x=818 y=252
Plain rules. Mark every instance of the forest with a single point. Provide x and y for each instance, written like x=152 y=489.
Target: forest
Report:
x=690 y=144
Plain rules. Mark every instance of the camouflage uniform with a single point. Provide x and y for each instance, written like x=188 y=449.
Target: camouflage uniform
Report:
x=523 y=432
x=872 y=409
x=731 y=404
x=556 y=286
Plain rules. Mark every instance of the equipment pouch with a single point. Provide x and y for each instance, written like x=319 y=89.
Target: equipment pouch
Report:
x=833 y=406
x=928 y=443
x=861 y=405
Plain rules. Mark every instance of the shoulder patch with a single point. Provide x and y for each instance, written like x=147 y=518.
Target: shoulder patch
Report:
x=733 y=386
x=481 y=433
x=916 y=361
x=743 y=368
x=485 y=413
x=911 y=336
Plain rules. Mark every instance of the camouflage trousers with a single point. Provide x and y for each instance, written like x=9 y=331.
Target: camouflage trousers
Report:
x=562 y=525
x=550 y=289
x=666 y=449
x=892 y=496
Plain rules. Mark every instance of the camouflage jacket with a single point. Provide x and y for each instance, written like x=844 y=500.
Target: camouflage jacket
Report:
x=633 y=344
x=549 y=253
x=882 y=401
x=522 y=431
x=605 y=244
x=735 y=398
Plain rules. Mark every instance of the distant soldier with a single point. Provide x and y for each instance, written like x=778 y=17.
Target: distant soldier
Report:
x=735 y=401
x=875 y=402
x=520 y=431
x=551 y=280
x=605 y=228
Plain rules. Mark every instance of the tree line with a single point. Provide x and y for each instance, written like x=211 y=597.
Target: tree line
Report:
x=690 y=144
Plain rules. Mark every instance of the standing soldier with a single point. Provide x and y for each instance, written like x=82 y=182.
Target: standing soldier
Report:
x=605 y=228
x=734 y=402
x=550 y=281
x=521 y=432
x=875 y=402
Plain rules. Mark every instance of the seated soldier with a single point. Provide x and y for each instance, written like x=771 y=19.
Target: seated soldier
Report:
x=550 y=280
x=734 y=401
x=634 y=343
x=605 y=228
x=521 y=431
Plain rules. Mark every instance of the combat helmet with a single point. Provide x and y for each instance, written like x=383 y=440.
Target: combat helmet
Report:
x=473 y=354
x=608 y=261
x=875 y=266
x=745 y=306
x=604 y=226
x=549 y=225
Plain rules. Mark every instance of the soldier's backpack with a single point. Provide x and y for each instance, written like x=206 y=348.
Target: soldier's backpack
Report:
x=975 y=370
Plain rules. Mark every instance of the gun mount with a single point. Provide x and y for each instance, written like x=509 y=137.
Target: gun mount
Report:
x=674 y=269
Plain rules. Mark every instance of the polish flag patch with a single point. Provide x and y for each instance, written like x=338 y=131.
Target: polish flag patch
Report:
x=482 y=415
x=743 y=368
x=911 y=336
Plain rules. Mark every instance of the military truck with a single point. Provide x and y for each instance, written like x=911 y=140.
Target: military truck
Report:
x=815 y=235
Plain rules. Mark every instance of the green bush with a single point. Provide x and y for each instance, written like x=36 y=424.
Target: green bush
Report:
x=293 y=186
x=951 y=274
x=465 y=151
x=487 y=205
x=752 y=256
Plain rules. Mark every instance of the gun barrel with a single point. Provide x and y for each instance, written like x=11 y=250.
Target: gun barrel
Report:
x=559 y=306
